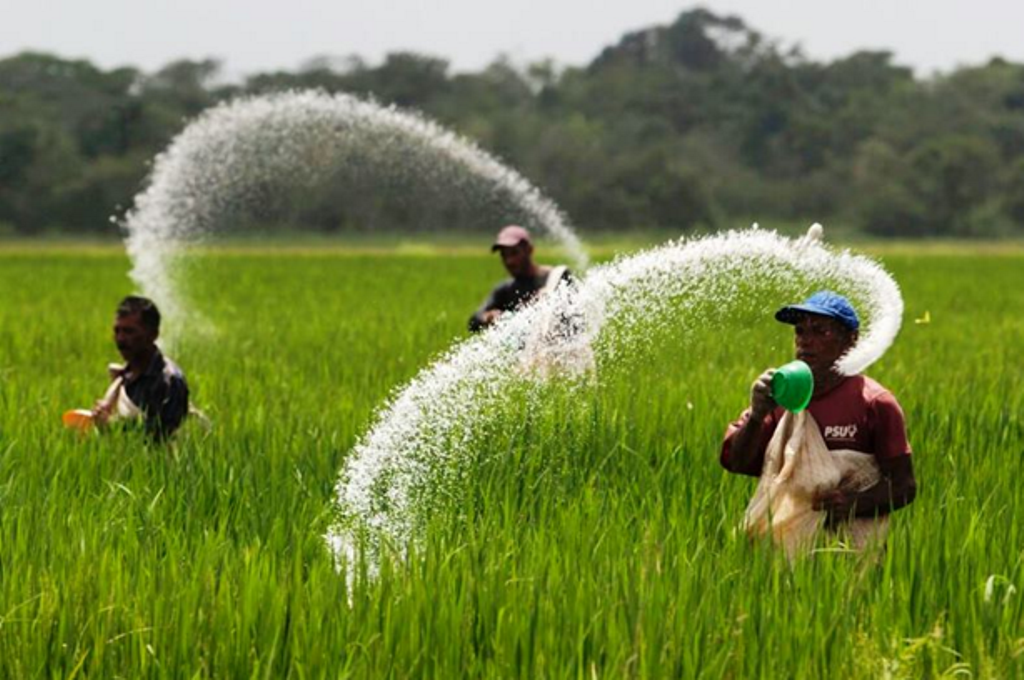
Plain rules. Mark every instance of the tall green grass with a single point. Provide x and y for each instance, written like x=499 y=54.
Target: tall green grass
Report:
x=594 y=536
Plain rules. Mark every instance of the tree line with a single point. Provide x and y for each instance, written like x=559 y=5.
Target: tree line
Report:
x=701 y=124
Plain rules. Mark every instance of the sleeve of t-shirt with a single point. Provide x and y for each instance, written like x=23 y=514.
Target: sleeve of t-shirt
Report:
x=755 y=466
x=888 y=427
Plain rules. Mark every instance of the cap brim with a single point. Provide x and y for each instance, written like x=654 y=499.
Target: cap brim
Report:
x=498 y=244
x=791 y=313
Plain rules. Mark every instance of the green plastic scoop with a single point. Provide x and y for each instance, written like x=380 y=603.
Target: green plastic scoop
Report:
x=792 y=386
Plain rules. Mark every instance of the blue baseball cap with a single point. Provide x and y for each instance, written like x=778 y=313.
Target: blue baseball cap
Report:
x=822 y=303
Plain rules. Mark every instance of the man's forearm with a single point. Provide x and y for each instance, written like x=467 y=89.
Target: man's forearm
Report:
x=745 y=448
x=896 y=489
x=882 y=498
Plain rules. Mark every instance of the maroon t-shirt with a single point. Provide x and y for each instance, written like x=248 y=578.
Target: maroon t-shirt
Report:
x=857 y=414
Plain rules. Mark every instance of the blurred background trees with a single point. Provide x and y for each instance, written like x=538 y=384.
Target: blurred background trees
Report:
x=698 y=125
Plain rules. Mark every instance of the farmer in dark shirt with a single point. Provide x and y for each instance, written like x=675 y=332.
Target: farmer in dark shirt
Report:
x=149 y=386
x=852 y=412
x=528 y=278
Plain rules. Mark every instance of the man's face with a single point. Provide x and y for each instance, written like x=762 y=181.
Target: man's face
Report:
x=132 y=338
x=821 y=341
x=518 y=259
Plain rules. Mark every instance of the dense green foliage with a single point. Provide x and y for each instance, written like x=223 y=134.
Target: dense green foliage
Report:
x=694 y=125
x=596 y=540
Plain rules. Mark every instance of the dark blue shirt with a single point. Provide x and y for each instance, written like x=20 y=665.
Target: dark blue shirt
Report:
x=511 y=294
x=161 y=393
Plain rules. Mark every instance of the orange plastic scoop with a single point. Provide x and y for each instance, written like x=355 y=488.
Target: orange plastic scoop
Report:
x=78 y=419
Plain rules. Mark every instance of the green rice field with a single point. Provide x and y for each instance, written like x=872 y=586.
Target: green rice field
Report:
x=594 y=537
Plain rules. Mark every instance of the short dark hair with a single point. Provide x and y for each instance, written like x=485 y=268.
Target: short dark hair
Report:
x=144 y=307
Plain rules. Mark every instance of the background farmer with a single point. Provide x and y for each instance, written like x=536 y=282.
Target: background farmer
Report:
x=528 y=278
x=149 y=386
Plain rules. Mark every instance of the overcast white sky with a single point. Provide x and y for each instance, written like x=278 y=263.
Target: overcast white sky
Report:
x=258 y=35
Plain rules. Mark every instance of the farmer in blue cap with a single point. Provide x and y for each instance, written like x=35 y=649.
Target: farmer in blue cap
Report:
x=852 y=412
